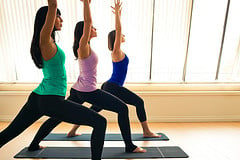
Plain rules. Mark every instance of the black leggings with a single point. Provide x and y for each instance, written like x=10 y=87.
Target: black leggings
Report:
x=101 y=99
x=127 y=97
x=58 y=109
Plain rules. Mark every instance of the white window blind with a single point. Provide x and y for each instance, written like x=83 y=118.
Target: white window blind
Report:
x=230 y=61
x=170 y=37
x=17 y=21
x=162 y=36
x=205 y=40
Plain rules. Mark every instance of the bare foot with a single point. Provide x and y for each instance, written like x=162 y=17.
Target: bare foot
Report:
x=72 y=134
x=139 y=150
x=42 y=147
x=35 y=148
x=151 y=135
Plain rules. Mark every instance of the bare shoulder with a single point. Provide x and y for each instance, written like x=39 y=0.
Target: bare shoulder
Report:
x=117 y=55
x=84 y=52
x=48 y=50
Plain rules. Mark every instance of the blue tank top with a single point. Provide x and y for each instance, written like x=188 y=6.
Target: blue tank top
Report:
x=55 y=79
x=119 y=71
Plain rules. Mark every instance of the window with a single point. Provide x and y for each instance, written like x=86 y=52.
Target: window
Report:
x=230 y=61
x=167 y=41
x=205 y=40
x=170 y=37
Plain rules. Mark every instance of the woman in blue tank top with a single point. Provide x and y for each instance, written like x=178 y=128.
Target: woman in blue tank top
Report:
x=115 y=84
x=49 y=97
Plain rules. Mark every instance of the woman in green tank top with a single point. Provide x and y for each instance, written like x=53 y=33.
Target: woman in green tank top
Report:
x=55 y=79
x=49 y=97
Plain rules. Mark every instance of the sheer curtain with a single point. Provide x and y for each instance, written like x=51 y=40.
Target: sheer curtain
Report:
x=137 y=27
x=205 y=40
x=166 y=40
x=170 y=37
x=16 y=28
x=17 y=20
x=16 y=25
x=230 y=62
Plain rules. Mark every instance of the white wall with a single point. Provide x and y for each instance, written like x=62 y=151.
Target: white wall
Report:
x=163 y=102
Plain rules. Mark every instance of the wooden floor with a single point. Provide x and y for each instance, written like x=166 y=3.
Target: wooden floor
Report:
x=201 y=141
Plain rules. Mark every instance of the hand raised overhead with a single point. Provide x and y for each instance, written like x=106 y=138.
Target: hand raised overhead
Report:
x=52 y=2
x=118 y=7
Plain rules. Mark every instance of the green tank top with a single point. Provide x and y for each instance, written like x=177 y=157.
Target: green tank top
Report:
x=55 y=79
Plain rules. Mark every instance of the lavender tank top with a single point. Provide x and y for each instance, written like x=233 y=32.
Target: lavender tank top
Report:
x=87 y=79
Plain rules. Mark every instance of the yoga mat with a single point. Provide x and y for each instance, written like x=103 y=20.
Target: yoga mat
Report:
x=108 y=137
x=108 y=153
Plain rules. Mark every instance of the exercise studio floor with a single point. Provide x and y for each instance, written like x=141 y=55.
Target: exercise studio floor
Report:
x=201 y=141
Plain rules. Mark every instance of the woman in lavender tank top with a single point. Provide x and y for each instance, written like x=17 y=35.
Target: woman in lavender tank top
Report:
x=85 y=89
x=120 y=66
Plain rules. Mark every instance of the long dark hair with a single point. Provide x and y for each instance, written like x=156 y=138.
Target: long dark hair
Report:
x=78 y=32
x=38 y=24
x=111 y=39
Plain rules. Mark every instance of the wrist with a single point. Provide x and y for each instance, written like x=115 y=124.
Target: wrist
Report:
x=86 y=1
x=52 y=5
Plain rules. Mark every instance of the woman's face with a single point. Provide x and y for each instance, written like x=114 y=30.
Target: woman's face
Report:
x=58 y=23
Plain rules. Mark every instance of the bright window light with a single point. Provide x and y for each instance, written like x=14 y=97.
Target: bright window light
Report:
x=170 y=37
x=205 y=40
x=230 y=61
x=167 y=41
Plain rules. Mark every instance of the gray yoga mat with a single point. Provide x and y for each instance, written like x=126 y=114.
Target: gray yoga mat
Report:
x=108 y=137
x=108 y=153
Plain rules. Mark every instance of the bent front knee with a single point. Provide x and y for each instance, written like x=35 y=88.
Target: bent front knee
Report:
x=140 y=102
x=123 y=110
x=101 y=121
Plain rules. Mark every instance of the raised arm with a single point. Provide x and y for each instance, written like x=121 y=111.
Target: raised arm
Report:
x=83 y=50
x=47 y=46
x=118 y=37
